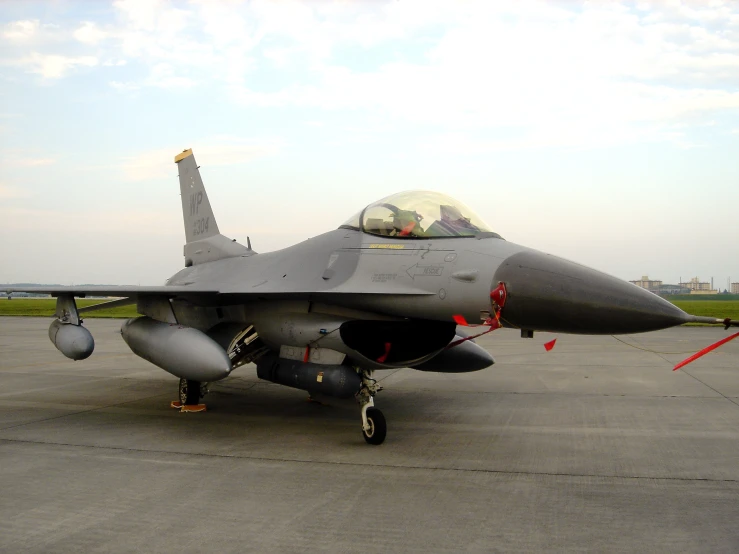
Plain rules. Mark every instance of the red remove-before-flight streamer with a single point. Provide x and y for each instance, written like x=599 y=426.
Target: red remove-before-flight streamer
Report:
x=705 y=351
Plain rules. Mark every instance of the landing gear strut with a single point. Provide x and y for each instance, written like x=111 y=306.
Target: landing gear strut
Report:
x=189 y=392
x=374 y=427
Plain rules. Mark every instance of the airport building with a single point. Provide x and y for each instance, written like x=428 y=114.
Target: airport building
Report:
x=697 y=286
x=658 y=287
x=671 y=290
x=647 y=283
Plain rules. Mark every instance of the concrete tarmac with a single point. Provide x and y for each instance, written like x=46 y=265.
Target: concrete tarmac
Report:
x=595 y=446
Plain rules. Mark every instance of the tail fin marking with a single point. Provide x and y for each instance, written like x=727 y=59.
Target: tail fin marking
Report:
x=203 y=241
x=200 y=223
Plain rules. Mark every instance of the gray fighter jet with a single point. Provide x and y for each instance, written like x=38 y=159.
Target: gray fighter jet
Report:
x=393 y=287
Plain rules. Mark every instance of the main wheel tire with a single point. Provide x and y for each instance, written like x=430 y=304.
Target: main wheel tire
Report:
x=378 y=428
x=189 y=392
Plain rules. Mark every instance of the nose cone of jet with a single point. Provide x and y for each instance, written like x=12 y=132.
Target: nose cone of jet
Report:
x=547 y=293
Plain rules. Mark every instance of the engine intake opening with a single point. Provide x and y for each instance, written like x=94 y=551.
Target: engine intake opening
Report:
x=409 y=340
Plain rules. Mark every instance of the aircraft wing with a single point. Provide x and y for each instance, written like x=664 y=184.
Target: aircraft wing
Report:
x=122 y=291
x=205 y=296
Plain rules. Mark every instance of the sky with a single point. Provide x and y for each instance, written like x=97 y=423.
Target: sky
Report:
x=606 y=133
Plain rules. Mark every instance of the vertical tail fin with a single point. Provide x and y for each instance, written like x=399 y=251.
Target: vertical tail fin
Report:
x=203 y=241
x=200 y=222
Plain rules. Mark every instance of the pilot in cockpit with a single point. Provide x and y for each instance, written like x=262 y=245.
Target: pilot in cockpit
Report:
x=407 y=223
x=418 y=214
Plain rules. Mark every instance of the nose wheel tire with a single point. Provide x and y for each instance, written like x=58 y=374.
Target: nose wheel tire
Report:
x=377 y=427
x=189 y=392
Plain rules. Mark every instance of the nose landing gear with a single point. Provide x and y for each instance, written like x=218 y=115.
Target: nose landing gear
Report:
x=374 y=427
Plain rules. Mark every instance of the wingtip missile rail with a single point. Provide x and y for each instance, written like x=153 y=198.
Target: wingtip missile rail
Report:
x=726 y=322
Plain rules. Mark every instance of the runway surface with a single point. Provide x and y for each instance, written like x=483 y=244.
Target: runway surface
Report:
x=595 y=446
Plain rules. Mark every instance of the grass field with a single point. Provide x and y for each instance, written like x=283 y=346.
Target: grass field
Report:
x=701 y=297
x=44 y=307
x=710 y=308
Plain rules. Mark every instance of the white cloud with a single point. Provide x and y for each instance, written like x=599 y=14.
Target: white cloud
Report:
x=163 y=76
x=102 y=220
x=89 y=33
x=216 y=151
x=19 y=158
x=54 y=66
x=21 y=30
x=114 y=63
x=147 y=15
x=125 y=86
x=566 y=76
x=453 y=97
x=550 y=69
x=32 y=162
x=7 y=192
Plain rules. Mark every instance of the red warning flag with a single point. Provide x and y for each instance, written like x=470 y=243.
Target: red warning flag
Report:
x=459 y=320
x=549 y=345
x=705 y=351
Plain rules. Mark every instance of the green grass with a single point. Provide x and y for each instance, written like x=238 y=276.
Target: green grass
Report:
x=710 y=308
x=701 y=297
x=45 y=307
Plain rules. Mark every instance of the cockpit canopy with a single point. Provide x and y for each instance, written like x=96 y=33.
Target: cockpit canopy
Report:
x=419 y=214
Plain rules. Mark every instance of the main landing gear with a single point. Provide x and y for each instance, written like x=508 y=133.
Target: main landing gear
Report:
x=374 y=427
x=190 y=393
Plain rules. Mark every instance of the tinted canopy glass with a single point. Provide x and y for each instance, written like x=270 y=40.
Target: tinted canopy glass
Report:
x=419 y=214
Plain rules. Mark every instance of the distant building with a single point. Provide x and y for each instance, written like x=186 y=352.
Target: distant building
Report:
x=647 y=283
x=697 y=286
x=734 y=288
x=671 y=290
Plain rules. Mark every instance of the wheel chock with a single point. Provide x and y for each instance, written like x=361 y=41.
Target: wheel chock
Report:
x=191 y=408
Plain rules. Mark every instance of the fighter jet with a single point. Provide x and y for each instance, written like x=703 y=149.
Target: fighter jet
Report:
x=407 y=282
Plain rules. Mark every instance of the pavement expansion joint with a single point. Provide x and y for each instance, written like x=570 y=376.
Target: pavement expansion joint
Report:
x=562 y=393
x=371 y=465
x=70 y=414
x=704 y=383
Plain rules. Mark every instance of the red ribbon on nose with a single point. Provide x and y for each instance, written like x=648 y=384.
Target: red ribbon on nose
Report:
x=499 y=295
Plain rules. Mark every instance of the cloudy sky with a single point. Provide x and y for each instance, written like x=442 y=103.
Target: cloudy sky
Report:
x=605 y=133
